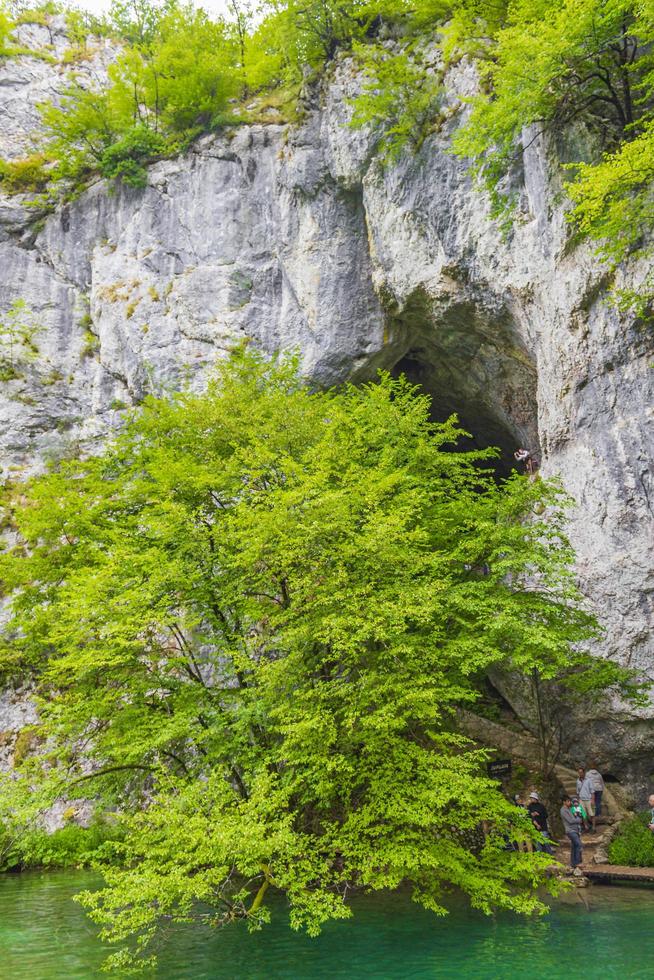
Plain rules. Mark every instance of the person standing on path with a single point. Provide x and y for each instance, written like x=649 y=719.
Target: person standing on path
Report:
x=597 y=786
x=538 y=814
x=585 y=794
x=572 y=827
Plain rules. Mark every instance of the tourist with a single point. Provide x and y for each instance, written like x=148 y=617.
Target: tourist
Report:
x=526 y=457
x=597 y=786
x=538 y=814
x=651 y=815
x=585 y=794
x=572 y=827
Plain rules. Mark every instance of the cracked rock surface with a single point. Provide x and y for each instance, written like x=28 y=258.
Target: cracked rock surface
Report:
x=298 y=238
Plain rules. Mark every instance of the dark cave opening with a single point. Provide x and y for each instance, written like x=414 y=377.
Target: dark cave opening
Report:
x=485 y=429
x=473 y=363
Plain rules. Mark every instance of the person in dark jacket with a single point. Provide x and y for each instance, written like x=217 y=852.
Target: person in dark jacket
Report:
x=538 y=814
x=572 y=828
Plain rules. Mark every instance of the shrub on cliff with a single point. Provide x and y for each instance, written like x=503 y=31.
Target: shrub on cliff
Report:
x=127 y=158
x=250 y=623
x=169 y=84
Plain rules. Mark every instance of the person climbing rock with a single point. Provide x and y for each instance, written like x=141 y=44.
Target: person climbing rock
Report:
x=572 y=828
x=538 y=813
x=597 y=786
x=585 y=794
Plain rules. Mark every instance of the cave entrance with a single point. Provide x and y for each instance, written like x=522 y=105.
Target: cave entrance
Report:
x=473 y=366
x=484 y=428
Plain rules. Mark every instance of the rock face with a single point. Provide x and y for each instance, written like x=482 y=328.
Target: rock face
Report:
x=300 y=238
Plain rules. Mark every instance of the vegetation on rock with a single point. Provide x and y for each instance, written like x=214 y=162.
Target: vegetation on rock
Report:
x=18 y=331
x=589 y=62
x=179 y=73
x=250 y=623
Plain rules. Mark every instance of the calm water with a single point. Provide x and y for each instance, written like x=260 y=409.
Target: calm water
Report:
x=45 y=936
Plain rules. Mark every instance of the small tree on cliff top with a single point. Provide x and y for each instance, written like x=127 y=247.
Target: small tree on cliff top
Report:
x=256 y=614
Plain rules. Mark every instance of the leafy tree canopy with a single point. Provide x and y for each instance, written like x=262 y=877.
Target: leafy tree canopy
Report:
x=171 y=82
x=545 y=66
x=250 y=623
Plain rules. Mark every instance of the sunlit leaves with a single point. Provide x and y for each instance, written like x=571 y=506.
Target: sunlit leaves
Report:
x=250 y=624
x=544 y=66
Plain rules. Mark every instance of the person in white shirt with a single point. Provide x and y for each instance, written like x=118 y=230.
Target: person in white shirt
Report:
x=651 y=816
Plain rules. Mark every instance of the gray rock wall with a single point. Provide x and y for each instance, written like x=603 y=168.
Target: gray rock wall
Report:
x=300 y=238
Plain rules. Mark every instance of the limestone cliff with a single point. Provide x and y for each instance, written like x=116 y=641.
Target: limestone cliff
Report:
x=298 y=237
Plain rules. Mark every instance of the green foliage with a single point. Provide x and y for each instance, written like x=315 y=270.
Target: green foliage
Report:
x=127 y=158
x=590 y=66
x=28 y=174
x=402 y=98
x=322 y=26
x=613 y=198
x=471 y=28
x=633 y=845
x=186 y=81
x=403 y=95
x=589 y=62
x=38 y=14
x=137 y=21
x=6 y=27
x=26 y=742
x=81 y=128
x=71 y=846
x=80 y=25
x=256 y=615
x=10 y=18
x=180 y=68
x=18 y=330
x=173 y=81
x=91 y=343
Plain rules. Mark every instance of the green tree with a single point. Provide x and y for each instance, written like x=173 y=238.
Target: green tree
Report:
x=550 y=65
x=138 y=21
x=81 y=128
x=296 y=35
x=18 y=330
x=250 y=623
x=174 y=79
x=127 y=158
x=402 y=98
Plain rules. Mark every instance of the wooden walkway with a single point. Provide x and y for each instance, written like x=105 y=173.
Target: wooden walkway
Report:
x=616 y=872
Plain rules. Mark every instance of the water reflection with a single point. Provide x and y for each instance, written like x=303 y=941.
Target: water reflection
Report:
x=608 y=931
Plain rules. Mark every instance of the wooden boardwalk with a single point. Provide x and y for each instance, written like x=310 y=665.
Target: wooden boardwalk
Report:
x=617 y=872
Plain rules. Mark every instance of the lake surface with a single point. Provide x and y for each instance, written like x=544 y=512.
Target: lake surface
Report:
x=600 y=931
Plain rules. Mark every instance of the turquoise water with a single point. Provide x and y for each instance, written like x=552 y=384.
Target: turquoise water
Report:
x=603 y=932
